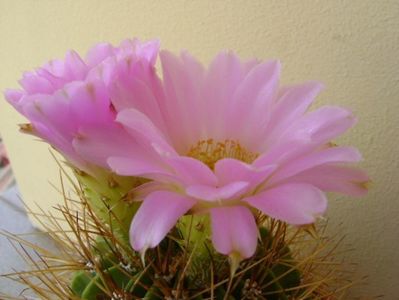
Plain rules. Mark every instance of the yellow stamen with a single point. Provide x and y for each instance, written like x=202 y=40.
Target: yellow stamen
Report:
x=210 y=151
x=365 y=184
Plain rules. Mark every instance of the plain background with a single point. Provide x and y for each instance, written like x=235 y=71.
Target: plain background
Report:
x=352 y=46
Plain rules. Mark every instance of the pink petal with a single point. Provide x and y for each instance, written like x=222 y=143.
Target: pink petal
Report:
x=294 y=203
x=280 y=153
x=55 y=67
x=89 y=102
x=229 y=170
x=249 y=110
x=323 y=124
x=97 y=143
x=223 y=77
x=132 y=88
x=13 y=97
x=75 y=67
x=137 y=166
x=149 y=50
x=329 y=155
x=34 y=84
x=184 y=107
x=156 y=217
x=330 y=178
x=210 y=193
x=234 y=231
x=52 y=112
x=142 y=129
x=98 y=53
x=140 y=192
x=191 y=171
x=291 y=106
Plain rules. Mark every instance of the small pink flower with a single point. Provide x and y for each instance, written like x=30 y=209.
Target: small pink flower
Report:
x=65 y=99
x=227 y=141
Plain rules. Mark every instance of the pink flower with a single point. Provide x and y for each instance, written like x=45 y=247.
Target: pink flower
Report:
x=64 y=99
x=228 y=141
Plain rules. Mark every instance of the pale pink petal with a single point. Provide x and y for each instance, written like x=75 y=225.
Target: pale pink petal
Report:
x=33 y=84
x=156 y=217
x=51 y=111
x=223 y=77
x=229 y=170
x=55 y=67
x=97 y=143
x=234 y=231
x=142 y=129
x=191 y=171
x=13 y=97
x=137 y=166
x=78 y=104
x=98 y=53
x=131 y=87
x=322 y=125
x=292 y=104
x=144 y=50
x=332 y=178
x=280 y=153
x=210 y=193
x=249 y=109
x=88 y=102
x=149 y=50
x=293 y=203
x=140 y=192
x=325 y=156
x=184 y=107
x=74 y=68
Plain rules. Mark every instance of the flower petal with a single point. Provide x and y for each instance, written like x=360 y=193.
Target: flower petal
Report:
x=325 y=156
x=295 y=203
x=249 y=110
x=97 y=143
x=229 y=170
x=210 y=193
x=281 y=153
x=184 y=107
x=330 y=178
x=292 y=105
x=137 y=166
x=156 y=217
x=322 y=125
x=98 y=53
x=191 y=171
x=34 y=84
x=222 y=79
x=234 y=231
x=147 y=50
x=74 y=67
x=132 y=89
x=13 y=96
x=142 y=129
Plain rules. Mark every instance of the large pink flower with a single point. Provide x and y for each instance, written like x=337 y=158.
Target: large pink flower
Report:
x=64 y=99
x=229 y=141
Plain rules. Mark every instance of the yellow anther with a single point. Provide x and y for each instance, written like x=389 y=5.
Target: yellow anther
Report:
x=210 y=151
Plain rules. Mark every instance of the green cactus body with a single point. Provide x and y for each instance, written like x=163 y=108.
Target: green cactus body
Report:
x=273 y=281
x=195 y=229
x=107 y=196
x=80 y=282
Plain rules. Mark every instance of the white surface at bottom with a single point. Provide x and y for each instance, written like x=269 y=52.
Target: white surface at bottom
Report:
x=13 y=219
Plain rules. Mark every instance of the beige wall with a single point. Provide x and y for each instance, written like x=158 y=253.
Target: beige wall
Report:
x=350 y=45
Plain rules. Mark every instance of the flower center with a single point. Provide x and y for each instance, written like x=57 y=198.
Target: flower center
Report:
x=210 y=151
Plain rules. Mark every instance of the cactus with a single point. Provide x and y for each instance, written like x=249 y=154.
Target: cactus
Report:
x=98 y=262
x=160 y=281
x=107 y=195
